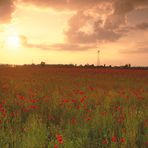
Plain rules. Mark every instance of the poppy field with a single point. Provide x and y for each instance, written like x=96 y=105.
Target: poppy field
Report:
x=57 y=107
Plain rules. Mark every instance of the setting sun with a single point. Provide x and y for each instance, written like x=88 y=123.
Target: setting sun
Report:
x=13 y=41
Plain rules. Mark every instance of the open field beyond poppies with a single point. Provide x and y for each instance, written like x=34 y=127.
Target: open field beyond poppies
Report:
x=43 y=107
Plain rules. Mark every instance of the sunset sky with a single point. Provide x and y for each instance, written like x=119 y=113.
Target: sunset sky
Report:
x=72 y=31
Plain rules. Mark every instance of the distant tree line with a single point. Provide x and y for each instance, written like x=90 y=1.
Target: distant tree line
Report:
x=43 y=64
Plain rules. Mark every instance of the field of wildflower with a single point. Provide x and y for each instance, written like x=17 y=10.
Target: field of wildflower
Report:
x=51 y=107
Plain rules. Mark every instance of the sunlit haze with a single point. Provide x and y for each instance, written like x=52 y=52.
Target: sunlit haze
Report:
x=72 y=31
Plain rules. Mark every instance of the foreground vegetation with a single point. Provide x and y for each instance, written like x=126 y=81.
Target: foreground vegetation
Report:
x=43 y=107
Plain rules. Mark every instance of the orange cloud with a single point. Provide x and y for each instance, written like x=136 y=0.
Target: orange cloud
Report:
x=6 y=9
x=60 y=46
x=106 y=19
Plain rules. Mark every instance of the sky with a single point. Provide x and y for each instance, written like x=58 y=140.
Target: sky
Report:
x=72 y=31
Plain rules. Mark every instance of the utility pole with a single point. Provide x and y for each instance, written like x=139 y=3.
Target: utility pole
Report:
x=98 y=58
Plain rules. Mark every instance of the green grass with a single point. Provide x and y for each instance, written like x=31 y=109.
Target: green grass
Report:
x=89 y=108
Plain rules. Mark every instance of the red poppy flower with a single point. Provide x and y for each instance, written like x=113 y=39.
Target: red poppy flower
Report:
x=59 y=139
x=114 y=139
x=122 y=139
x=55 y=146
x=104 y=141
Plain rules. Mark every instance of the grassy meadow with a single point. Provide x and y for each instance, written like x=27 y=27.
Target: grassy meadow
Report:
x=45 y=107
